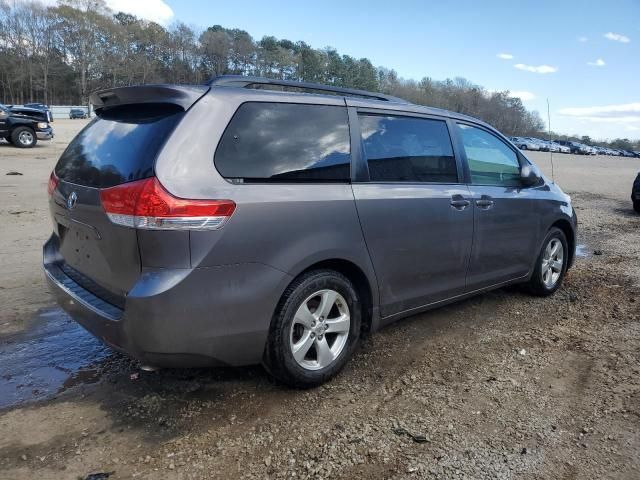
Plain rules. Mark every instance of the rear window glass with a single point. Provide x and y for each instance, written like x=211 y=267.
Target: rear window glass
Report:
x=119 y=146
x=286 y=142
x=405 y=149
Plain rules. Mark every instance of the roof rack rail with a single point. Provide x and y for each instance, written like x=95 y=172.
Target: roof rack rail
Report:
x=242 y=81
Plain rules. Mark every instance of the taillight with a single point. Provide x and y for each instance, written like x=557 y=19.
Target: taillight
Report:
x=145 y=204
x=53 y=183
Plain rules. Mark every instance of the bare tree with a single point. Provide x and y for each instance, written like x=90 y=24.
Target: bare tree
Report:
x=61 y=53
x=80 y=24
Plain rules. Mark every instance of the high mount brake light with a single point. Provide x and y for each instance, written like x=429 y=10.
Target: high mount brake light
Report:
x=145 y=204
x=53 y=183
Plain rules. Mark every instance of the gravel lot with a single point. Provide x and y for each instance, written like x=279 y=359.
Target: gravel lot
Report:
x=500 y=386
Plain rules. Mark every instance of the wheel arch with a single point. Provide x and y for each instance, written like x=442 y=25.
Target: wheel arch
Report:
x=364 y=287
x=570 y=235
x=22 y=125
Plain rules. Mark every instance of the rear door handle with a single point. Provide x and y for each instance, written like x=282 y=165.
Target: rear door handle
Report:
x=459 y=203
x=485 y=202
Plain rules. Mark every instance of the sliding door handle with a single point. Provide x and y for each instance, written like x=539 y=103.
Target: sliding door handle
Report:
x=459 y=203
x=485 y=203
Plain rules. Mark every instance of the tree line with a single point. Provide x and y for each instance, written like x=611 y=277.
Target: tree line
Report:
x=60 y=54
x=617 y=144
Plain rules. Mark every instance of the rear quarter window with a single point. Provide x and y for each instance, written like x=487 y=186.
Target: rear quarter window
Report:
x=286 y=142
x=121 y=145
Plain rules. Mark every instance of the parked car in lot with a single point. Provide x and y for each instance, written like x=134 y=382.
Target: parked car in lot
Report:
x=228 y=224
x=23 y=127
x=635 y=193
x=575 y=147
x=600 y=150
x=551 y=146
x=608 y=151
x=562 y=148
x=77 y=113
x=525 y=144
x=542 y=145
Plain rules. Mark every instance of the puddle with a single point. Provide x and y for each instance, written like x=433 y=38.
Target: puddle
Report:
x=582 y=251
x=53 y=354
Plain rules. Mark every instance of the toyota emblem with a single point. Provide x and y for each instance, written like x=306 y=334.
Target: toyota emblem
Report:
x=72 y=200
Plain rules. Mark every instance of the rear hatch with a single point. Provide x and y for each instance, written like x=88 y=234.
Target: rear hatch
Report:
x=118 y=147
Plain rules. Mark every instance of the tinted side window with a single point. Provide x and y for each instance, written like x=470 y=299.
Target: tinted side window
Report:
x=286 y=142
x=405 y=149
x=490 y=160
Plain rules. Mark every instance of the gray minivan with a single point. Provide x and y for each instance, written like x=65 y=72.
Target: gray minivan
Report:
x=264 y=221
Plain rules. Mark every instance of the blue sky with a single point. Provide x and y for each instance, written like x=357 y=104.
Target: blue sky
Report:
x=590 y=51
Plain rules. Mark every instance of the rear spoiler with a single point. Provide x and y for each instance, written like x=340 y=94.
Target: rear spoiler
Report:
x=183 y=96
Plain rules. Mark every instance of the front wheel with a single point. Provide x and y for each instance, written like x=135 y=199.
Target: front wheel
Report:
x=315 y=330
x=551 y=264
x=24 y=137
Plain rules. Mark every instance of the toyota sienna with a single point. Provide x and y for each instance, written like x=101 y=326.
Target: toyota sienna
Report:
x=265 y=221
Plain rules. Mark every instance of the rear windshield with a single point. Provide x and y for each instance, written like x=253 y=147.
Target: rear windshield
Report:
x=119 y=146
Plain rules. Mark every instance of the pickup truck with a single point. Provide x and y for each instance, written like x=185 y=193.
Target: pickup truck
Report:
x=23 y=127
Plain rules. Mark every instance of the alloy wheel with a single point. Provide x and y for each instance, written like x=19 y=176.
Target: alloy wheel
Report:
x=552 y=262
x=320 y=330
x=25 y=138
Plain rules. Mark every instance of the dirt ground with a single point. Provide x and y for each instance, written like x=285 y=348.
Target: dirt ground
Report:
x=503 y=385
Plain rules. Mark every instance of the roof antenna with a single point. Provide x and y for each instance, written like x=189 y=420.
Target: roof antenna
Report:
x=553 y=177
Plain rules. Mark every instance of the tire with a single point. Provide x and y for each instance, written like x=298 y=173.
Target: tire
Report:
x=523 y=147
x=636 y=205
x=545 y=281
x=322 y=353
x=24 y=137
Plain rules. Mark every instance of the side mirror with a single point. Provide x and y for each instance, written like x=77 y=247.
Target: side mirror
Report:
x=530 y=175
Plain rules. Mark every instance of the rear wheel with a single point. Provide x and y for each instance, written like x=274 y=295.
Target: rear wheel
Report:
x=23 y=137
x=551 y=264
x=315 y=329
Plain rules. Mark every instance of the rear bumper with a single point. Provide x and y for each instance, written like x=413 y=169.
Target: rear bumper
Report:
x=98 y=317
x=179 y=317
